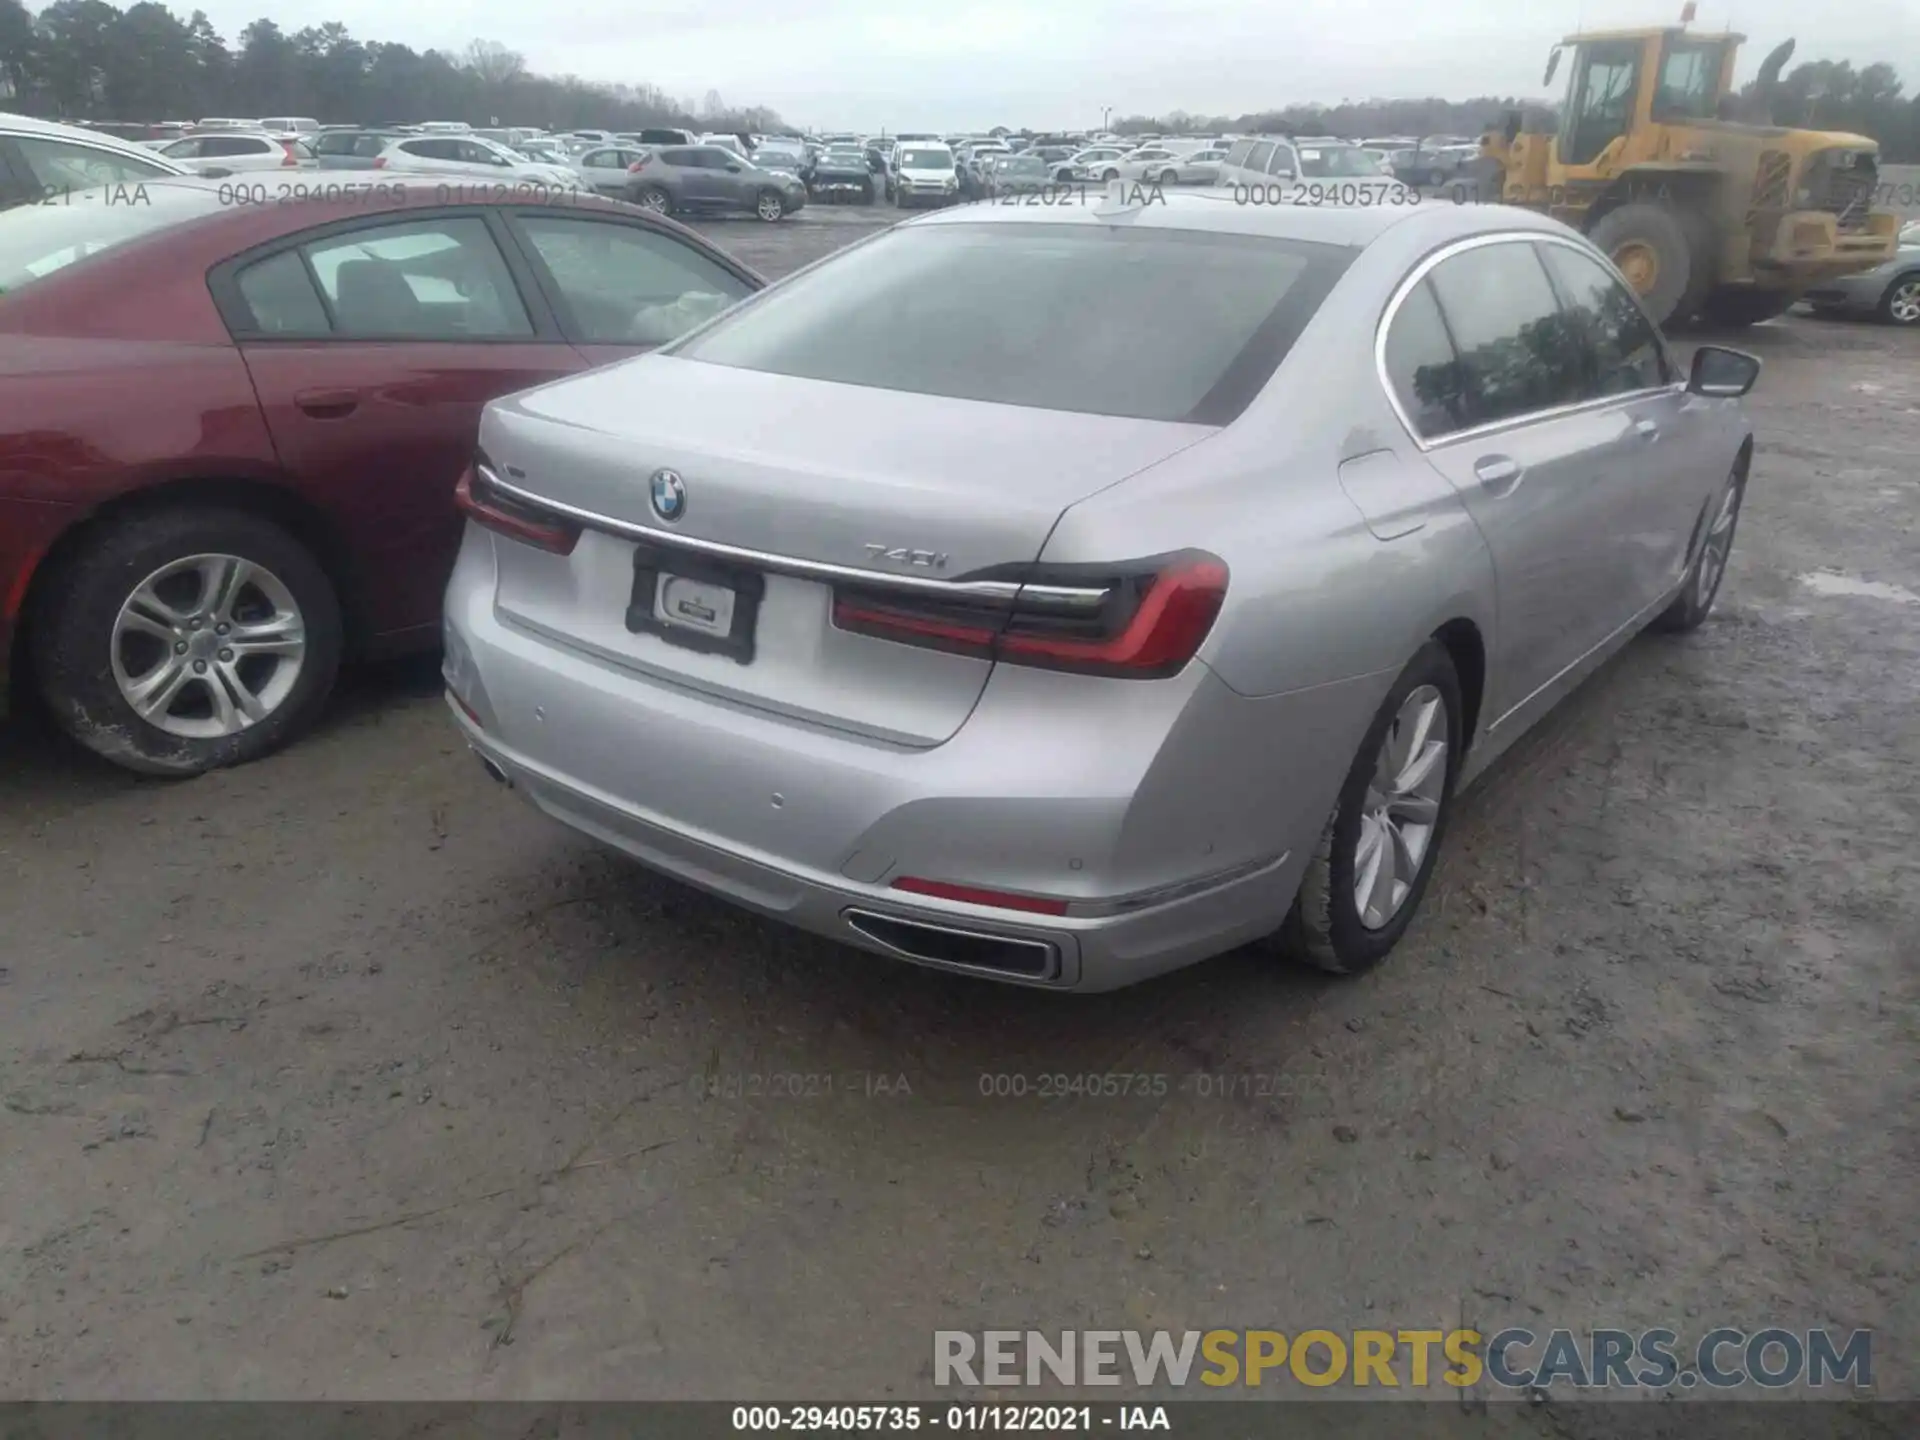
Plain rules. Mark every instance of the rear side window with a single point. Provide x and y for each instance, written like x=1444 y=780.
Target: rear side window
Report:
x=1426 y=376
x=1026 y=316
x=214 y=145
x=280 y=297
x=1257 y=159
x=1520 y=352
x=1237 y=153
x=1621 y=350
x=441 y=279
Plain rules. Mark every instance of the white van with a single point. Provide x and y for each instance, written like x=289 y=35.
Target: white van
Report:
x=290 y=124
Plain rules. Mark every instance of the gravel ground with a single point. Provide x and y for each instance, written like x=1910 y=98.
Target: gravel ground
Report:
x=347 y=1075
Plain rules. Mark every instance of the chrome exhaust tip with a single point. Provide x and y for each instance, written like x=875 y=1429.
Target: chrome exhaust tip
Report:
x=956 y=947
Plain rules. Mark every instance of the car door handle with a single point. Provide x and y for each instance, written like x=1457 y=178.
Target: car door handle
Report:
x=327 y=404
x=1646 y=429
x=1498 y=474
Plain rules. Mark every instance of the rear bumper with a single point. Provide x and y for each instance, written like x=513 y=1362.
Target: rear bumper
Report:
x=1085 y=954
x=1175 y=819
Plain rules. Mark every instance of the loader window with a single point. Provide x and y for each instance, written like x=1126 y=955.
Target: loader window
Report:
x=1689 y=78
x=1601 y=106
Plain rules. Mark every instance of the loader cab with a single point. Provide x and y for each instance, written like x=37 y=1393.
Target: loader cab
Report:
x=1622 y=81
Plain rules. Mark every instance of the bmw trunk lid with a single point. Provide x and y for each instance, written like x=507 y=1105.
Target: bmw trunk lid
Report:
x=707 y=491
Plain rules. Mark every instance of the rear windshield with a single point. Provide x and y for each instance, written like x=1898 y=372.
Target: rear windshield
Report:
x=37 y=240
x=1104 y=320
x=926 y=159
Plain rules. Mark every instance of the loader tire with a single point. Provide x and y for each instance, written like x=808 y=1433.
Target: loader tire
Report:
x=1651 y=246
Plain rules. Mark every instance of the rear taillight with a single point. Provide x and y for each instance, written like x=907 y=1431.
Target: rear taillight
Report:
x=1143 y=621
x=479 y=495
x=379 y=162
x=636 y=167
x=291 y=157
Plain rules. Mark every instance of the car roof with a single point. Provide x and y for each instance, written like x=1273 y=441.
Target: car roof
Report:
x=1352 y=226
x=99 y=139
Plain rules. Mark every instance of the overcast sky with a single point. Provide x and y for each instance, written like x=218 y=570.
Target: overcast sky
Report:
x=933 y=64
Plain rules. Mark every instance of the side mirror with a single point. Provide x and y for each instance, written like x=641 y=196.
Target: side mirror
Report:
x=1721 y=373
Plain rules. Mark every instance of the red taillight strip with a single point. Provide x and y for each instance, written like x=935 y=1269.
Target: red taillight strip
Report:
x=974 y=895
x=1173 y=618
x=477 y=497
x=1174 y=611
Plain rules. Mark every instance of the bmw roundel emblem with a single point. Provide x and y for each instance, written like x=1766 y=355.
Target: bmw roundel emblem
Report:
x=669 y=494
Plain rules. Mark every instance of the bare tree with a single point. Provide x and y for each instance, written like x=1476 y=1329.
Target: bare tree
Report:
x=494 y=64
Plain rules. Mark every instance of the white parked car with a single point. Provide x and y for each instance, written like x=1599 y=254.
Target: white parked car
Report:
x=1171 y=165
x=1097 y=162
x=234 y=152
x=290 y=124
x=61 y=159
x=472 y=158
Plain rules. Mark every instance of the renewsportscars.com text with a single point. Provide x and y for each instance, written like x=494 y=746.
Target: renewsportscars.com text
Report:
x=1511 y=1359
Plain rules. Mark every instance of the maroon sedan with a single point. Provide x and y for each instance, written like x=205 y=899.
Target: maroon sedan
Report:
x=230 y=431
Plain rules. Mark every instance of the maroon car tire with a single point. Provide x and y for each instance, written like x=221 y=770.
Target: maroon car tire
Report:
x=120 y=613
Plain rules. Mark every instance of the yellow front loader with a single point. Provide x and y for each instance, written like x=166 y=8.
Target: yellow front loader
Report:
x=1710 y=210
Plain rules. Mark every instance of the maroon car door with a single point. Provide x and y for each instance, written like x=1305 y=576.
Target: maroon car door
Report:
x=624 y=286
x=372 y=351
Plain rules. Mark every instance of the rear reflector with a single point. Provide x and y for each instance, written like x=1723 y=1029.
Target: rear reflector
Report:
x=973 y=895
x=1139 y=620
x=480 y=497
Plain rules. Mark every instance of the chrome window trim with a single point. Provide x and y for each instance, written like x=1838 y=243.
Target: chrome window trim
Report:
x=1492 y=427
x=1000 y=591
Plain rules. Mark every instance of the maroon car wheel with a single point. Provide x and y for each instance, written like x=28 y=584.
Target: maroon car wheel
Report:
x=180 y=641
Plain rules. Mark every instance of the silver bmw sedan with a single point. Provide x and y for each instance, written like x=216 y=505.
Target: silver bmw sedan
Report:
x=1063 y=595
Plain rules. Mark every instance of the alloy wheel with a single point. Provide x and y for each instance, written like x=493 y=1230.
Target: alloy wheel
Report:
x=1717 y=545
x=1903 y=302
x=207 y=646
x=656 y=201
x=1402 y=807
x=769 y=207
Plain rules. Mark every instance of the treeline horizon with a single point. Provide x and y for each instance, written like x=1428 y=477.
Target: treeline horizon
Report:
x=89 y=60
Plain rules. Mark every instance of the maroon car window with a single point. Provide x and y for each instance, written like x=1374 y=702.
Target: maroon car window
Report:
x=419 y=280
x=628 y=285
x=280 y=297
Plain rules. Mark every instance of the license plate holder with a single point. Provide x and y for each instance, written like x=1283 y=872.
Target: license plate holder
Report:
x=698 y=588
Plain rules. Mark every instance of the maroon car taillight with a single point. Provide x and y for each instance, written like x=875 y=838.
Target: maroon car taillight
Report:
x=480 y=497
x=1144 y=620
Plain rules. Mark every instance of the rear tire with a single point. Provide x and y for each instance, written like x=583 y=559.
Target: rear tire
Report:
x=97 y=646
x=1651 y=246
x=1736 y=308
x=1326 y=928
